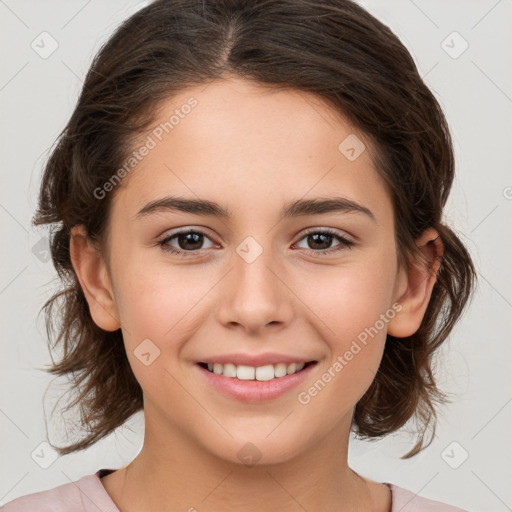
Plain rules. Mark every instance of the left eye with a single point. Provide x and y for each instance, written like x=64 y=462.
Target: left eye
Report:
x=325 y=238
x=190 y=241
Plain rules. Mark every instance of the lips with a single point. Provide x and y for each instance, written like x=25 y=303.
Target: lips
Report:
x=254 y=391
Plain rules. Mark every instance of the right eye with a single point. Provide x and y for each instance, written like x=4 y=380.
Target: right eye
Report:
x=188 y=242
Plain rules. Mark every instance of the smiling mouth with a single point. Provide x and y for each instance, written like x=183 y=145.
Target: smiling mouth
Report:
x=260 y=373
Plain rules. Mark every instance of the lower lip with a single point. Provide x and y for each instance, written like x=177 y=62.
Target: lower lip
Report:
x=254 y=391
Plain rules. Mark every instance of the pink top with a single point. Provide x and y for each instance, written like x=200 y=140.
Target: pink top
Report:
x=89 y=495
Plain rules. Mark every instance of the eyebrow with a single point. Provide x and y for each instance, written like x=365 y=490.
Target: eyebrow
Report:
x=300 y=207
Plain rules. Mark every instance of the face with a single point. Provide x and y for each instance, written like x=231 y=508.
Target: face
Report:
x=312 y=285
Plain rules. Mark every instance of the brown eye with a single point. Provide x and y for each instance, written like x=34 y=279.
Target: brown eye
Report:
x=187 y=242
x=320 y=242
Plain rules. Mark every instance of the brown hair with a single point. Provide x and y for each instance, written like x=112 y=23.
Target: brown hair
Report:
x=331 y=48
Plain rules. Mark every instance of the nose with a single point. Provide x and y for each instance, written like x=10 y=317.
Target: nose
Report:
x=255 y=296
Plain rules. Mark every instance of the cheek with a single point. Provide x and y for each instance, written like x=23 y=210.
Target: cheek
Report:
x=157 y=316
x=153 y=299
x=351 y=299
x=159 y=310
x=354 y=308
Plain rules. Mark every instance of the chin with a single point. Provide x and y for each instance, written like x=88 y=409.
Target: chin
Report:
x=257 y=450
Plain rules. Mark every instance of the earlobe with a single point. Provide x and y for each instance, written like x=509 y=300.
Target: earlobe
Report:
x=91 y=271
x=420 y=279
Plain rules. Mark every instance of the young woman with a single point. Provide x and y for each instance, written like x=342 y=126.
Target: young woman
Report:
x=247 y=217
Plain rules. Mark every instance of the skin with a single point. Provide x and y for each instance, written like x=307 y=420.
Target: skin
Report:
x=251 y=149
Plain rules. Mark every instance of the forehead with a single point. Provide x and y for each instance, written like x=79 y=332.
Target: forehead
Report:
x=242 y=141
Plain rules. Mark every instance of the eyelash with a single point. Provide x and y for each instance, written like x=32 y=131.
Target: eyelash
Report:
x=344 y=242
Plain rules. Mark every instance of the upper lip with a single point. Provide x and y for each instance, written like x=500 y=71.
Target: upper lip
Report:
x=255 y=359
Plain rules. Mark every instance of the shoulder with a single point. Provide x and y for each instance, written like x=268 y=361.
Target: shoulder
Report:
x=406 y=501
x=84 y=495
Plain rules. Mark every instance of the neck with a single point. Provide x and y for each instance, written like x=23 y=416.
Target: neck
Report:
x=173 y=472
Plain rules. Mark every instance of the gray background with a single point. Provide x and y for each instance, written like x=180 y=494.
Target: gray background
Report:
x=37 y=95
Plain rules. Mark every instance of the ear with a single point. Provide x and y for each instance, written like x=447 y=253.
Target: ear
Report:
x=418 y=282
x=91 y=271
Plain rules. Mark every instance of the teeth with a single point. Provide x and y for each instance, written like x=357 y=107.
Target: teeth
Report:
x=243 y=372
x=229 y=370
x=291 y=368
x=280 y=370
